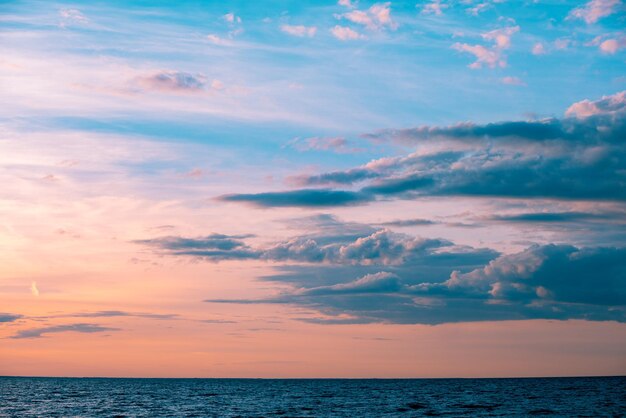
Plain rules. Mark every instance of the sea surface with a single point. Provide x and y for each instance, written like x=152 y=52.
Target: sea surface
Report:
x=87 y=397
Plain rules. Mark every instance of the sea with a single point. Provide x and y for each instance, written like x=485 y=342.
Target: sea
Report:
x=113 y=397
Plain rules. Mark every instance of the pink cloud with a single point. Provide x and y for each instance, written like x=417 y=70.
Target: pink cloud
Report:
x=606 y=105
x=538 y=49
x=344 y=33
x=435 y=7
x=594 y=10
x=611 y=46
x=376 y=17
x=299 y=30
x=491 y=57
x=513 y=81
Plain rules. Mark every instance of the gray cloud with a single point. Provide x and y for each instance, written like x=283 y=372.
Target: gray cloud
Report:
x=82 y=328
x=8 y=317
x=300 y=198
x=547 y=282
x=215 y=246
x=173 y=81
x=560 y=217
x=581 y=156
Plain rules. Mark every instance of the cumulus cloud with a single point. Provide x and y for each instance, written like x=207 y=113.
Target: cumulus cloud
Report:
x=344 y=33
x=548 y=282
x=490 y=56
x=595 y=10
x=81 y=328
x=299 y=30
x=382 y=247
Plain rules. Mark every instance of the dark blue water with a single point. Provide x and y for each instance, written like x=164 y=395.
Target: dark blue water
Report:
x=69 y=397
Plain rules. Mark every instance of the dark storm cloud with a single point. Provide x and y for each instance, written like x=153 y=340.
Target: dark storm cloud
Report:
x=82 y=328
x=300 y=198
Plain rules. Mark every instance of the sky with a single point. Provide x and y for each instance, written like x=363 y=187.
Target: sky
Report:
x=313 y=188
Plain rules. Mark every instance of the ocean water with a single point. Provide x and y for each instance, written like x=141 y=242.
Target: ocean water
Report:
x=87 y=397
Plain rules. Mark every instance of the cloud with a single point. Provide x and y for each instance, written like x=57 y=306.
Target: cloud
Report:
x=72 y=16
x=409 y=222
x=512 y=81
x=490 y=56
x=231 y=18
x=217 y=40
x=608 y=105
x=559 y=217
x=82 y=328
x=300 y=198
x=434 y=7
x=541 y=282
x=580 y=156
x=215 y=246
x=339 y=145
x=7 y=317
x=299 y=30
x=377 y=17
x=594 y=10
x=34 y=289
x=173 y=81
x=382 y=247
x=344 y=33
x=346 y=3
x=538 y=49
x=611 y=46
x=382 y=282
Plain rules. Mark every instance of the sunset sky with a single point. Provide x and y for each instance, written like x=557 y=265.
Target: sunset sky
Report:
x=313 y=188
